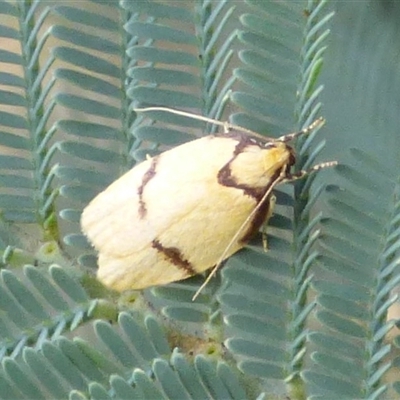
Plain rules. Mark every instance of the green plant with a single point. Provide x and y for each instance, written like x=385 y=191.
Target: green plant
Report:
x=308 y=319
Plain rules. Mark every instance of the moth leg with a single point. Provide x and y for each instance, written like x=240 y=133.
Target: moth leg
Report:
x=264 y=237
x=264 y=228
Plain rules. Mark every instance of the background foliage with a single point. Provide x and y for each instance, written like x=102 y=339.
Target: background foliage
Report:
x=315 y=317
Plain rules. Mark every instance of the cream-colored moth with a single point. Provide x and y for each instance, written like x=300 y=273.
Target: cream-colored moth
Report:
x=188 y=209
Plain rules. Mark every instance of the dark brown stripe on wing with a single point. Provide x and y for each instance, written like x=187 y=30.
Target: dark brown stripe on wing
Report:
x=225 y=177
x=261 y=214
x=150 y=173
x=175 y=256
x=256 y=222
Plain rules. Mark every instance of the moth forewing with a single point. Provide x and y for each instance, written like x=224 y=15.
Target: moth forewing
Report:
x=186 y=210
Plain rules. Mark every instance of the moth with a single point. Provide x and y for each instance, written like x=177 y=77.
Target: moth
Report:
x=186 y=210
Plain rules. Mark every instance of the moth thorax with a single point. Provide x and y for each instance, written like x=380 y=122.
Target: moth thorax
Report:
x=255 y=165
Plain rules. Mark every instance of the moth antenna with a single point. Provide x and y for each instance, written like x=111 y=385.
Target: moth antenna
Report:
x=225 y=124
x=290 y=136
x=237 y=234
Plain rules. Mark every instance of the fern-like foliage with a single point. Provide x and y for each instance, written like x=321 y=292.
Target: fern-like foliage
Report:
x=356 y=293
x=307 y=319
x=104 y=115
x=39 y=306
x=130 y=352
x=26 y=174
x=276 y=285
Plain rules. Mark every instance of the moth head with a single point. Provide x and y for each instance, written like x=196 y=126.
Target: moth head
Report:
x=254 y=164
x=277 y=156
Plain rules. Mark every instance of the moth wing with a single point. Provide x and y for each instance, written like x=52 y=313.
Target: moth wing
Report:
x=137 y=271
x=189 y=214
x=198 y=240
x=181 y=179
x=110 y=221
